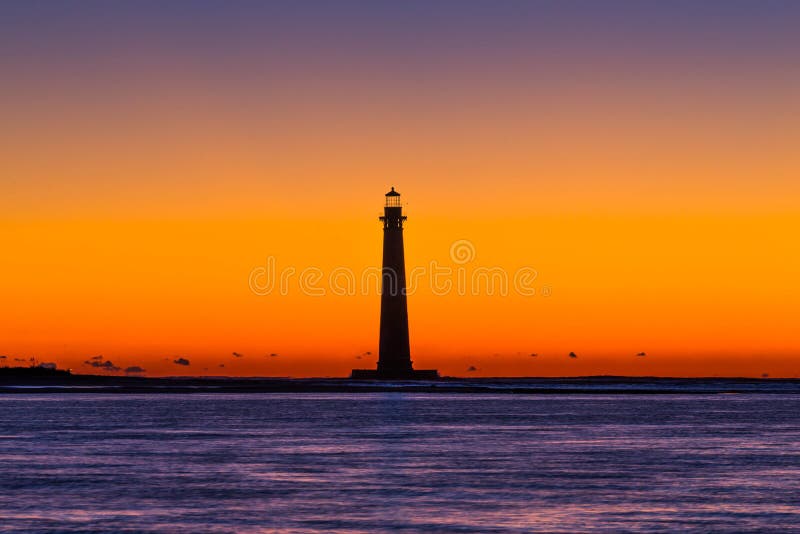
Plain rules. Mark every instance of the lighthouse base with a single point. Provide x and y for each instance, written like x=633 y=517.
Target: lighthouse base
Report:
x=413 y=374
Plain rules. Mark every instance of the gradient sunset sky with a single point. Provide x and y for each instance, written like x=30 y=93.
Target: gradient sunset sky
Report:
x=643 y=157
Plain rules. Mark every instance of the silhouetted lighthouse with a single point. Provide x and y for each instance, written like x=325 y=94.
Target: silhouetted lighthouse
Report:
x=394 y=354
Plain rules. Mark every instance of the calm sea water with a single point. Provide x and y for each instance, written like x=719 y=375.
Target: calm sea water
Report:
x=398 y=461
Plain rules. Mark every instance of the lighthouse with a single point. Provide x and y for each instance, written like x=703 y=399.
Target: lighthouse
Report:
x=394 y=351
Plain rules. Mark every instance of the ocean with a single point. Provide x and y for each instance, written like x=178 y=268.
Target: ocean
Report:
x=399 y=462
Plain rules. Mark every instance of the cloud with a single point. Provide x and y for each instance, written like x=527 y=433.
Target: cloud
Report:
x=3 y=357
x=533 y=355
x=222 y=365
x=107 y=365
x=273 y=354
x=238 y=354
x=641 y=354
x=98 y=358
x=181 y=361
x=134 y=370
x=20 y=360
x=573 y=355
x=471 y=369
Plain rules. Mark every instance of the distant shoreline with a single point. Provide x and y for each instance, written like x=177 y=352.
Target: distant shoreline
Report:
x=33 y=380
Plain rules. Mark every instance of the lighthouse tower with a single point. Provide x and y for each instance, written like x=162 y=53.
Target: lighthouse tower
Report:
x=394 y=354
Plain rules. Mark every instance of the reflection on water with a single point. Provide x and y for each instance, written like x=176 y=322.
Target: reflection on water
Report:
x=398 y=461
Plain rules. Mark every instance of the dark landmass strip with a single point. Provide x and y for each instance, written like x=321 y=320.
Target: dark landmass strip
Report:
x=41 y=380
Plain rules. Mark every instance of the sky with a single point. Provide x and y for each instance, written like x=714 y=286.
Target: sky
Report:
x=637 y=159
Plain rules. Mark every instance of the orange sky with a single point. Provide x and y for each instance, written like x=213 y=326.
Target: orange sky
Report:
x=699 y=293
x=655 y=194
